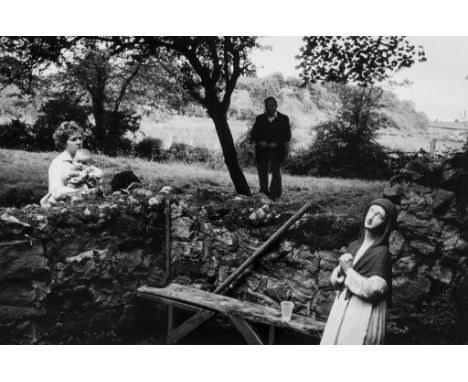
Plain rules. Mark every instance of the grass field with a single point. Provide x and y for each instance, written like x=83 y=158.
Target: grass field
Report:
x=26 y=172
x=200 y=132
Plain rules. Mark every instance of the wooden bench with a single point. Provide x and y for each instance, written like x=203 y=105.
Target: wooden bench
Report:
x=208 y=304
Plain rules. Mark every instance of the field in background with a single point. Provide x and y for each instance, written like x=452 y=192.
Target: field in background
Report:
x=200 y=131
x=26 y=171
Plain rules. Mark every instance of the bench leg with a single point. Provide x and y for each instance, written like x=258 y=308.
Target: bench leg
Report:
x=186 y=327
x=170 y=321
x=271 y=335
x=246 y=330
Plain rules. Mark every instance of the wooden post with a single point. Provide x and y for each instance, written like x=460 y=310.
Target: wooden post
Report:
x=271 y=335
x=170 y=320
x=168 y=238
x=433 y=147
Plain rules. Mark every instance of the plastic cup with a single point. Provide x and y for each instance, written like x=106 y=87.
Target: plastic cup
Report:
x=286 y=310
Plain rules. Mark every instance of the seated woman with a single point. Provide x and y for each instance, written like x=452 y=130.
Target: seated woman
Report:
x=363 y=281
x=69 y=138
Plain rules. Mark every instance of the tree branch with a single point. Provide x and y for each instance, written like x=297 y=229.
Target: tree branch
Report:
x=124 y=87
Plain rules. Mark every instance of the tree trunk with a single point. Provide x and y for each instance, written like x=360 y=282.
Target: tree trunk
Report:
x=229 y=151
x=98 y=111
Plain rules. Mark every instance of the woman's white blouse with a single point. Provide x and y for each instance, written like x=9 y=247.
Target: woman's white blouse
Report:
x=61 y=165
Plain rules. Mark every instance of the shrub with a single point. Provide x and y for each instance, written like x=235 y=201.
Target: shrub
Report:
x=17 y=135
x=188 y=154
x=339 y=152
x=298 y=163
x=245 y=151
x=151 y=149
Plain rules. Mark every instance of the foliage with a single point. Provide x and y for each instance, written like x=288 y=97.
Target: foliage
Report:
x=266 y=87
x=346 y=146
x=117 y=126
x=339 y=151
x=16 y=134
x=362 y=60
x=188 y=154
x=150 y=149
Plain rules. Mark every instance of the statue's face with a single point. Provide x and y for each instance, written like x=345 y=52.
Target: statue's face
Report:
x=74 y=142
x=270 y=107
x=375 y=217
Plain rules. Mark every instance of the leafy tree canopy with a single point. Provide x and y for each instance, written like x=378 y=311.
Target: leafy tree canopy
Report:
x=361 y=60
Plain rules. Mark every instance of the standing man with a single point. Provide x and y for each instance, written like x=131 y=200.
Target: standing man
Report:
x=270 y=133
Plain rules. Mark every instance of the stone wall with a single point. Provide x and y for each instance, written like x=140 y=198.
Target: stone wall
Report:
x=69 y=274
x=430 y=251
x=75 y=280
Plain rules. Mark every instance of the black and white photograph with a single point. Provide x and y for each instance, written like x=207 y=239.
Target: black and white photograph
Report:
x=198 y=192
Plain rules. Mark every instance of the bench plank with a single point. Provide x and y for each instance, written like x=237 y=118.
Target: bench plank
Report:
x=231 y=306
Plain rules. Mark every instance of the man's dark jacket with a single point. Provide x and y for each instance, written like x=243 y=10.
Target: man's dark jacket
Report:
x=278 y=131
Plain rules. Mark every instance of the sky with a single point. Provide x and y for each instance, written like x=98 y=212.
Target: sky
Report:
x=438 y=86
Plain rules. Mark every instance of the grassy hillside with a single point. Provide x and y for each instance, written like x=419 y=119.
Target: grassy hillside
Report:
x=306 y=107
x=26 y=173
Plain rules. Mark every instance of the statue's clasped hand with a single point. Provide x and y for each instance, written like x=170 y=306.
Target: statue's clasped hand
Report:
x=346 y=262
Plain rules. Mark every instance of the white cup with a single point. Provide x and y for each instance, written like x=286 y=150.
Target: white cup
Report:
x=286 y=310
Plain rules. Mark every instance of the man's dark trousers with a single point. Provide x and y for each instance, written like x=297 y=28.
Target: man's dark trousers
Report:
x=268 y=158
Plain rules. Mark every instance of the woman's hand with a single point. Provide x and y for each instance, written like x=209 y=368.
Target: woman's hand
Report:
x=67 y=175
x=346 y=262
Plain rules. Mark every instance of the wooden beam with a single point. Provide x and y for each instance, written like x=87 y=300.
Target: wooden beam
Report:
x=187 y=326
x=246 y=330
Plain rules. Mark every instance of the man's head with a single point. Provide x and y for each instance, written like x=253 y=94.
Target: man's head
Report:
x=83 y=157
x=270 y=106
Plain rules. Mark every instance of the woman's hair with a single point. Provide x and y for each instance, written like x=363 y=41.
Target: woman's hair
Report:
x=64 y=132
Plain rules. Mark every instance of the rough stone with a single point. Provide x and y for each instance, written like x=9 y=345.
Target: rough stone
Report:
x=182 y=228
x=21 y=260
x=156 y=202
x=423 y=247
x=328 y=260
x=421 y=227
x=410 y=288
x=441 y=198
x=398 y=244
x=393 y=193
x=441 y=273
x=406 y=264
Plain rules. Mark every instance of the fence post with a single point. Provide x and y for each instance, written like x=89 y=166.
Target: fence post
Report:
x=433 y=147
